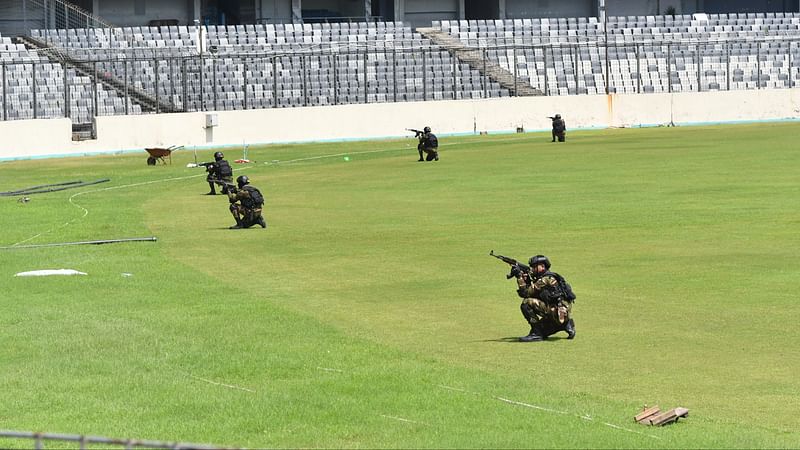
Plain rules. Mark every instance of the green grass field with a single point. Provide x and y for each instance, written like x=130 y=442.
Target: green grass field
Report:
x=369 y=314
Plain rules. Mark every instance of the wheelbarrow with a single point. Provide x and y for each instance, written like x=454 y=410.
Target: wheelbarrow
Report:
x=158 y=154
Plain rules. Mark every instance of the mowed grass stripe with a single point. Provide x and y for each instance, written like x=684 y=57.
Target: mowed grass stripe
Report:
x=377 y=268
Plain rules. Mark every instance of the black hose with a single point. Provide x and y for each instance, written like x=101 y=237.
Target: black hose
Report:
x=52 y=187
x=61 y=244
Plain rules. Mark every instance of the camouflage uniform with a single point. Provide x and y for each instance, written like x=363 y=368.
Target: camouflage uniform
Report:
x=543 y=301
x=244 y=209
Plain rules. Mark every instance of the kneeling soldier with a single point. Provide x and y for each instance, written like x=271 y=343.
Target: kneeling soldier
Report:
x=246 y=204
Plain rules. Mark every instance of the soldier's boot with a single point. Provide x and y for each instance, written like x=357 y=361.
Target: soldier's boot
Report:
x=570 y=329
x=535 y=334
x=212 y=191
x=262 y=222
x=436 y=157
x=238 y=225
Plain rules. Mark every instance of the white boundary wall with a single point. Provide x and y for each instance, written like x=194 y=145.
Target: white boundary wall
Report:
x=52 y=137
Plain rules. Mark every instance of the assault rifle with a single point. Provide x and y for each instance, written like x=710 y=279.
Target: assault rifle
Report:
x=226 y=186
x=416 y=132
x=207 y=165
x=517 y=268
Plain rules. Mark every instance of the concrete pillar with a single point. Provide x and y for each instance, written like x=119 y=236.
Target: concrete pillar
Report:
x=96 y=8
x=462 y=14
x=601 y=12
x=197 y=11
x=501 y=9
x=367 y=8
x=399 y=10
x=297 y=11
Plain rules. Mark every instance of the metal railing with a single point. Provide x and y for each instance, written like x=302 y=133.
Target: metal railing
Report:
x=82 y=441
x=58 y=14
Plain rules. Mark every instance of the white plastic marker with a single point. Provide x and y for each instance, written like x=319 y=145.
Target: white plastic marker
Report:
x=49 y=272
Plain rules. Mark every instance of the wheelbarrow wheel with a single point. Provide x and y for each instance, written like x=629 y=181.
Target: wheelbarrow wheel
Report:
x=151 y=161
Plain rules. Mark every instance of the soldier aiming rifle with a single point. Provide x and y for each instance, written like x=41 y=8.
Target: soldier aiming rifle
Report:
x=428 y=144
x=547 y=298
x=559 y=128
x=219 y=170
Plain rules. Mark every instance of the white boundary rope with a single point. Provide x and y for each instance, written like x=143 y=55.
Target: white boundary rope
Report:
x=553 y=411
x=223 y=384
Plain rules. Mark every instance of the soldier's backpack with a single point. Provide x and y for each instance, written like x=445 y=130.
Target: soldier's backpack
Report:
x=255 y=196
x=566 y=289
x=432 y=141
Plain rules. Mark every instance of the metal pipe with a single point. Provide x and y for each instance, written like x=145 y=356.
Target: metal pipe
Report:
x=245 y=80
x=424 y=77
x=274 y=81
x=158 y=102
x=5 y=93
x=127 y=99
x=35 y=108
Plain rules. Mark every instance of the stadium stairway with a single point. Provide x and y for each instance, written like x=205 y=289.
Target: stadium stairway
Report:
x=147 y=102
x=475 y=60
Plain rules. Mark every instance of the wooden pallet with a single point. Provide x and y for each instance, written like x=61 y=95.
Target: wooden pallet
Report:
x=654 y=416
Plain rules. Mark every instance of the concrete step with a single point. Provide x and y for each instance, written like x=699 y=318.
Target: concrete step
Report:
x=475 y=58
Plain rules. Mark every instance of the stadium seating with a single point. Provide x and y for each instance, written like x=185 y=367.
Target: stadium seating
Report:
x=645 y=54
x=291 y=65
x=45 y=98
x=262 y=66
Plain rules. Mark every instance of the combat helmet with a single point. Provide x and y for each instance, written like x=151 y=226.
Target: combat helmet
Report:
x=218 y=156
x=427 y=129
x=558 y=116
x=242 y=180
x=539 y=259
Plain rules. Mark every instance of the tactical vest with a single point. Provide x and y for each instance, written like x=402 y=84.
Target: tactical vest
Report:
x=224 y=169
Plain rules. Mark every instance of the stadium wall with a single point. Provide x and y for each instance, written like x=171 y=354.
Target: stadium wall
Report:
x=45 y=138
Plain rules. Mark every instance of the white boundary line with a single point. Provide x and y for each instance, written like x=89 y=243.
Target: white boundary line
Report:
x=327 y=369
x=541 y=408
x=401 y=419
x=223 y=384
x=336 y=155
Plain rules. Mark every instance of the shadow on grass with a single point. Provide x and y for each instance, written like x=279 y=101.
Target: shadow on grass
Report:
x=515 y=339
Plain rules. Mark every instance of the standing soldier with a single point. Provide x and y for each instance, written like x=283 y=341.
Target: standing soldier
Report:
x=546 y=301
x=559 y=128
x=219 y=170
x=246 y=204
x=428 y=144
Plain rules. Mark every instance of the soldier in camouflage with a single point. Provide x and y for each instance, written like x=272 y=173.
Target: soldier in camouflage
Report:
x=546 y=301
x=246 y=204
